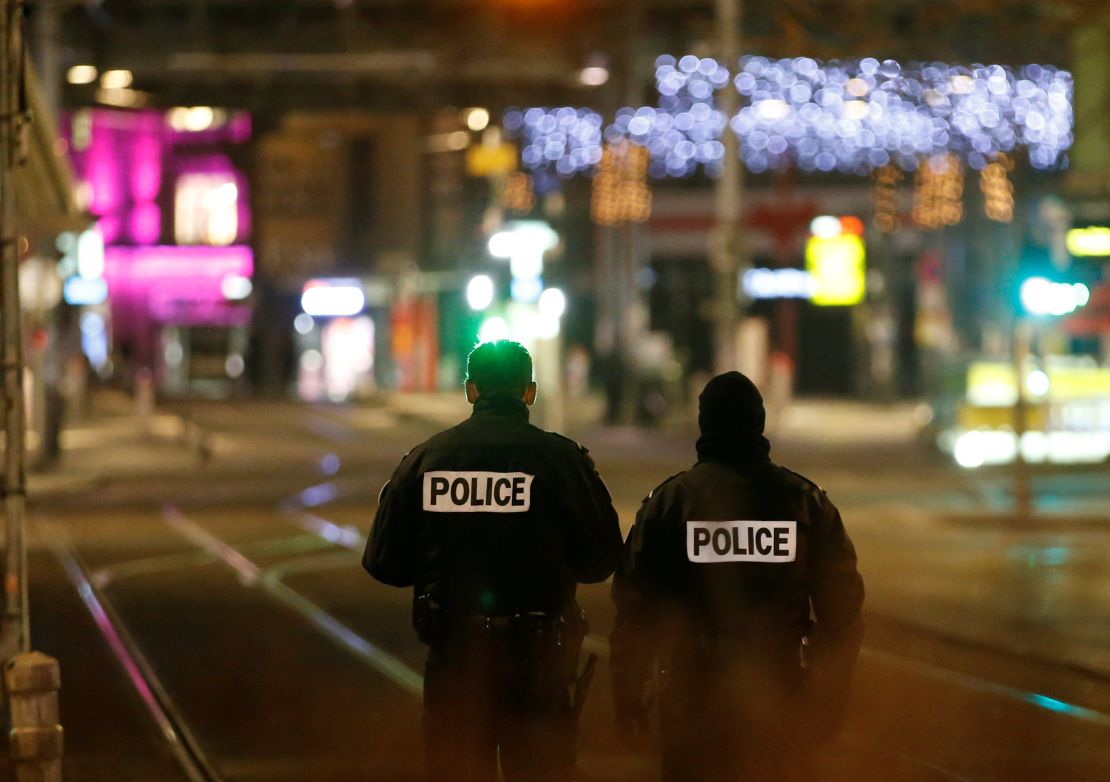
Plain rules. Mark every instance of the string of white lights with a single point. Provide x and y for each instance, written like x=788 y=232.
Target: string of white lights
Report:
x=849 y=116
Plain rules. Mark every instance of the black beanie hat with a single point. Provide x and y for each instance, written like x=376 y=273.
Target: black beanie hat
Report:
x=730 y=403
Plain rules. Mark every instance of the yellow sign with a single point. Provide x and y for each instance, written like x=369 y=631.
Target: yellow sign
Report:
x=836 y=264
x=970 y=417
x=486 y=160
x=993 y=383
x=1091 y=242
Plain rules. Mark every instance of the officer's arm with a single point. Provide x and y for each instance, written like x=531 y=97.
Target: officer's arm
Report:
x=635 y=626
x=391 y=552
x=836 y=592
x=836 y=586
x=592 y=519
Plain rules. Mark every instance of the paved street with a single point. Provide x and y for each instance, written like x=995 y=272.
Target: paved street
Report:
x=202 y=591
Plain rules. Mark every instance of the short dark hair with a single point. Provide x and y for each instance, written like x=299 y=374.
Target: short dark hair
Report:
x=501 y=366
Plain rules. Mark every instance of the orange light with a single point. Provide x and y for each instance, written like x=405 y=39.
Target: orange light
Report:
x=851 y=225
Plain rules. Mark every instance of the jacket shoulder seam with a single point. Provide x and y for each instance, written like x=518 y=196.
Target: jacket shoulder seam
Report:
x=808 y=482
x=652 y=493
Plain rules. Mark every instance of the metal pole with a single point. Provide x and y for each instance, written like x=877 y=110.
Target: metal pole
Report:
x=16 y=635
x=31 y=679
x=1023 y=491
x=48 y=59
x=630 y=333
x=727 y=252
x=624 y=235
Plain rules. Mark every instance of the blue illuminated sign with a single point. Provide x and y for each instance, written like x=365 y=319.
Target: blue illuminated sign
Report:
x=80 y=291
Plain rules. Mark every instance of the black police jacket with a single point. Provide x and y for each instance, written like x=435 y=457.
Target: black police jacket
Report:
x=723 y=566
x=495 y=517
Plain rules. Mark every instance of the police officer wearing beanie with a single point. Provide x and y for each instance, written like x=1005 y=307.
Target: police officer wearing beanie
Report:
x=738 y=607
x=493 y=523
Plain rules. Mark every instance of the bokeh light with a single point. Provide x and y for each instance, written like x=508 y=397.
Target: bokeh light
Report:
x=848 y=116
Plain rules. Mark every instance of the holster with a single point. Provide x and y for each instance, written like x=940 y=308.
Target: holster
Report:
x=544 y=663
x=548 y=649
x=429 y=619
x=573 y=631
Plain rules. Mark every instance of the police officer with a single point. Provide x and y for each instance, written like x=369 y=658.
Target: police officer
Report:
x=494 y=522
x=738 y=607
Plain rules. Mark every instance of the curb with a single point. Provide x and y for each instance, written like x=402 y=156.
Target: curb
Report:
x=173 y=431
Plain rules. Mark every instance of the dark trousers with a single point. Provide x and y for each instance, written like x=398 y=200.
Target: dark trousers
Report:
x=495 y=697
x=721 y=723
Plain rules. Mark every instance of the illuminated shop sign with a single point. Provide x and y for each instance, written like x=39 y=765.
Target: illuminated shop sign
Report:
x=80 y=291
x=835 y=257
x=177 y=284
x=778 y=284
x=332 y=298
x=1090 y=242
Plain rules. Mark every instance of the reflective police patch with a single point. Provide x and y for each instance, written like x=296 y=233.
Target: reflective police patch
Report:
x=477 y=492
x=741 y=541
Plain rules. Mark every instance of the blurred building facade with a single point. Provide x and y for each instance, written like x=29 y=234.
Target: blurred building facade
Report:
x=339 y=208
x=385 y=155
x=47 y=215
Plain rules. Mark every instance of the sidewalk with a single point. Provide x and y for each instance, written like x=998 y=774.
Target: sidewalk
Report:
x=828 y=421
x=112 y=441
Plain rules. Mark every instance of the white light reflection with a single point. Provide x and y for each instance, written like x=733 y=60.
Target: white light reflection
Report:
x=330 y=464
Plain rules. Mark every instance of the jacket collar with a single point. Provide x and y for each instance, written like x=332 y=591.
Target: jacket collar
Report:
x=500 y=405
x=733 y=446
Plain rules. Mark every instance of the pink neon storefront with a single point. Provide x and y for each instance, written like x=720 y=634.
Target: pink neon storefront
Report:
x=171 y=199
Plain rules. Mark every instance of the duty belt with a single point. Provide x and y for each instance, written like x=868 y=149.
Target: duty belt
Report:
x=532 y=621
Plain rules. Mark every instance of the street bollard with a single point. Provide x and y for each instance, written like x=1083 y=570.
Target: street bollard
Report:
x=144 y=400
x=32 y=681
x=200 y=443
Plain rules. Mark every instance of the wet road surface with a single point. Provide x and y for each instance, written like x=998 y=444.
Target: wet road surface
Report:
x=228 y=632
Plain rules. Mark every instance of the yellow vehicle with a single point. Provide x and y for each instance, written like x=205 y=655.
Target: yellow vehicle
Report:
x=1066 y=419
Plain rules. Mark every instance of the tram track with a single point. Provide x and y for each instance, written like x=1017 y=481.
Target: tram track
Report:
x=210 y=548
x=304 y=510
x=322 y=494
x=163 y=710
x=319 y=495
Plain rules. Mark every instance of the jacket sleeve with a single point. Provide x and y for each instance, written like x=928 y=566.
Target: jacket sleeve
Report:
x=392 y=553
x=637 y=625
x=594 y=527
x=836 y=587
x=836 y=594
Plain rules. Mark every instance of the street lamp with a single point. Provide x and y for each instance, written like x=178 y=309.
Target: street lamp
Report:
x=479 y=292
x=1043 y=297
x=493 y=329
x=552 y=305
x=524 y=243
x=1040 y=298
